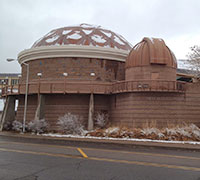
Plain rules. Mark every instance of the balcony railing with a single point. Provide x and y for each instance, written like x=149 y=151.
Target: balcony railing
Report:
x=148 y=85
x=53 y=87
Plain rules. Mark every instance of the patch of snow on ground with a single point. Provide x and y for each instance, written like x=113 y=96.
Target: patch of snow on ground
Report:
x=74 y=36
x=52 y=39
x=121 y=139
x=87 y=31
x=66 y=32
x=118 y=40
x=98 y=39
x=112 y=130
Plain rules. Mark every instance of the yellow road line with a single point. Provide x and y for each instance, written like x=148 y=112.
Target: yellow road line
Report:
x=106 y=150
x=147 y=164
x=82 y=153
x=40 y=153
x=106 y=160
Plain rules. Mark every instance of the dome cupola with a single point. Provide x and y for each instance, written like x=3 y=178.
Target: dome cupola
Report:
x=151 y=59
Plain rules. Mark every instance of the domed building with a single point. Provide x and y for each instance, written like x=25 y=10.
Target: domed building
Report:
x=88 y=69
x=72 y=63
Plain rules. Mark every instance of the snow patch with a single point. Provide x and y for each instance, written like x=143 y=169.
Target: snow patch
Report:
x=108 y=34
x=112 y=130
x=84 y=25
x=76 y=35
x=152 y=40
x=98 y=39
x=119 y=41
x=87 y=31
x=66 y=32
x=137 y=46
x=50 y=33
x=120 y=139
x=52 y=39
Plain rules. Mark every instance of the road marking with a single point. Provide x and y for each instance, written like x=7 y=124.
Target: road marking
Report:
x=147 y=164
x=82 y=153
x=106 y=150
x=105 y=160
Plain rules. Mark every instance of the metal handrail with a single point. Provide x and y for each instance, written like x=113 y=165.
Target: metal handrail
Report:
x=94 y=86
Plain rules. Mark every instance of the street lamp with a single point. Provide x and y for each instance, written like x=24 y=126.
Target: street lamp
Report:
x=65 y=74
x=26 y=94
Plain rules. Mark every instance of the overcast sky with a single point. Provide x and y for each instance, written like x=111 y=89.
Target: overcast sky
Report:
x=22 y=22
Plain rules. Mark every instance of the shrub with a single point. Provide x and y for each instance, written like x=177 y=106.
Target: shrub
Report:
x=101 y=119
x=7 y=126
x=17 y=126
x=70 y=124
x=38 y=126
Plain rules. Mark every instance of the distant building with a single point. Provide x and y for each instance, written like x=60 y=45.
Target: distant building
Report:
x=88 y=69
x=10 y=79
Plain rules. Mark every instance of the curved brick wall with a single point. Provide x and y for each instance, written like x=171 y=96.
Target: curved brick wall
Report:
x=77 y=69
x=57 y=105
x=153 y=72
x=137 y=109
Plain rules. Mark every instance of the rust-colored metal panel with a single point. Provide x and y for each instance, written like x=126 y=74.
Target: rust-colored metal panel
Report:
x=151 y=51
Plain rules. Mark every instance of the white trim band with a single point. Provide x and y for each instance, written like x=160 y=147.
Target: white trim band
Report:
x=72 y=51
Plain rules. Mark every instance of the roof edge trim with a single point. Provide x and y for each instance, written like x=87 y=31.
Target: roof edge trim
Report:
x=72 y=51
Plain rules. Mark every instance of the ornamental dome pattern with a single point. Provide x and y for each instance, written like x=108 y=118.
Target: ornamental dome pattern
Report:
x=84 y=34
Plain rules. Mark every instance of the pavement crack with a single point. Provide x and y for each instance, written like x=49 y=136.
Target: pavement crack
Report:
x=78 y=165
x=32 y=176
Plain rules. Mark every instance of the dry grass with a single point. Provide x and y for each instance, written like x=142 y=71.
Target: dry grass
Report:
x=184 y=132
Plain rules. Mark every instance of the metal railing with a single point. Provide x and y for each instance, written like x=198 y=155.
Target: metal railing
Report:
x=148 y=85
x=48 y=87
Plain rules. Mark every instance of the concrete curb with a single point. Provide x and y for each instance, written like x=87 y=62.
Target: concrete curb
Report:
x=97 y=143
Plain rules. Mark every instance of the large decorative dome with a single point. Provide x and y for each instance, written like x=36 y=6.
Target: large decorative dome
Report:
x=84 y=34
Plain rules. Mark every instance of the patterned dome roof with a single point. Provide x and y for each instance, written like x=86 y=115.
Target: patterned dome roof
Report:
x=84 y=34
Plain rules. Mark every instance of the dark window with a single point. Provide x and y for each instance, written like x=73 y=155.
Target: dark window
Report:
x=14 y=81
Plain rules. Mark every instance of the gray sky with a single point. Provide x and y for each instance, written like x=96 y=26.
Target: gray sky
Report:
x=25 y=21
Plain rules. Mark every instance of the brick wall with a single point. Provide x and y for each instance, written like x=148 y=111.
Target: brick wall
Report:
x=56 y=105
x=77 y=69
x=131 y=109
x=31 y=108
x=153 y=72
x=137 y=109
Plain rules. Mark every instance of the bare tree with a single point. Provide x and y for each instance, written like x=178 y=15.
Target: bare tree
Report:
x=194 y=58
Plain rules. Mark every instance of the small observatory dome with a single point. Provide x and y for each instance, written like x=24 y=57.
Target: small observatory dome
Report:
x=151 y=59
x=83 y=34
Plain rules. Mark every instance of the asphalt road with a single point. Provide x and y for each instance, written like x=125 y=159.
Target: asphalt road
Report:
x=31 y=161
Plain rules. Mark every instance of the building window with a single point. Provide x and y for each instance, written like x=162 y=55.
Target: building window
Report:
x=14 y=81
x=3 y=81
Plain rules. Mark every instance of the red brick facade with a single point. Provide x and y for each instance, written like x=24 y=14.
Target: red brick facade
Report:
x=77 y=69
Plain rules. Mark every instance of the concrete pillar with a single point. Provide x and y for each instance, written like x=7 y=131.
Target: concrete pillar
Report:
x=8 y=111
x=91 y=113
x=39 y=114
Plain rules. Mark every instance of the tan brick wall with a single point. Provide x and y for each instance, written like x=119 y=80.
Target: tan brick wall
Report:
x=153 y=72
x=77 y=69
x=58 y=105
x=136 y=109
x=31 y=108
x=131 y=109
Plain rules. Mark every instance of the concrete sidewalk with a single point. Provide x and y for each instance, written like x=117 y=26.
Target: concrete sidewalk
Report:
x=99 y=143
